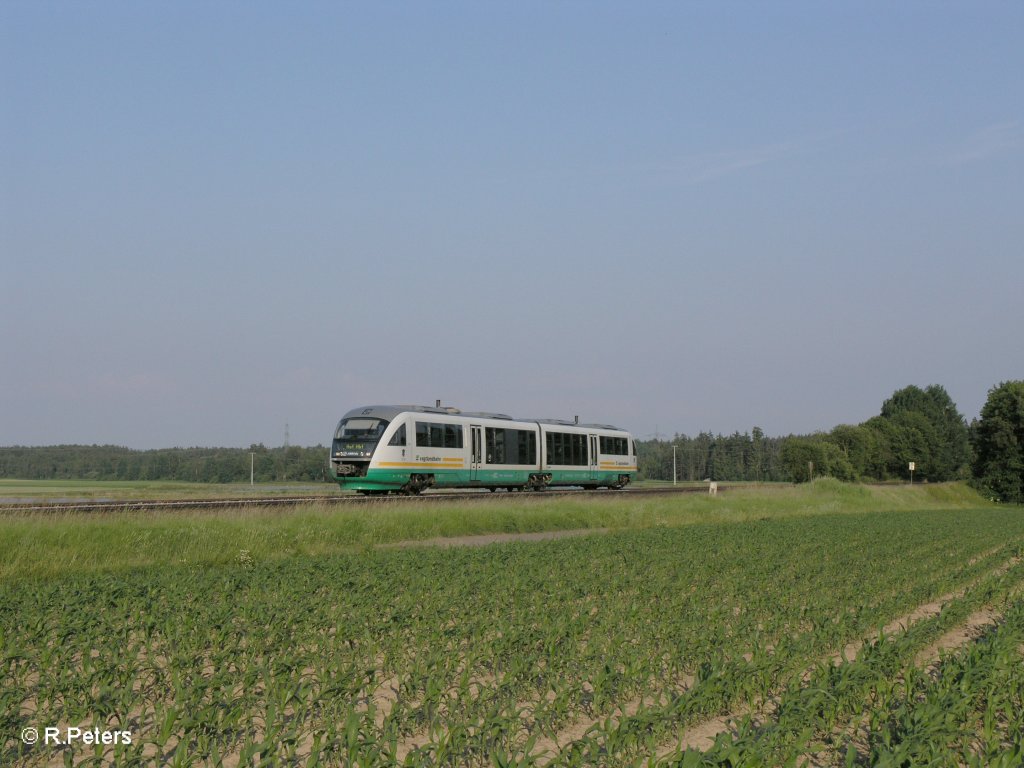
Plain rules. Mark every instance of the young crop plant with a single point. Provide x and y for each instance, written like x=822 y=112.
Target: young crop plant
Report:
x=811 y=717
x=595 y=650
x=969 y=711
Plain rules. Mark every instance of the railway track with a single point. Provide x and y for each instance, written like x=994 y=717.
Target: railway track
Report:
x=163 y=505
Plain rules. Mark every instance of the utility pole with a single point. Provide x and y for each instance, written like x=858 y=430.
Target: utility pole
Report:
x=673 y=464
x=252 y=469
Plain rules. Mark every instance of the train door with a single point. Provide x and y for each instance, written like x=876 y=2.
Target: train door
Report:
x=476 y=453
x=593 y=457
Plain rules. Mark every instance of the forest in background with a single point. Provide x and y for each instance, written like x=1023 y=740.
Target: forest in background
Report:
x=916 y=425
x=194 y=465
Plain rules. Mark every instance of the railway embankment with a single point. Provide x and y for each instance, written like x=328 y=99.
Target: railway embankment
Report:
x=174 y=532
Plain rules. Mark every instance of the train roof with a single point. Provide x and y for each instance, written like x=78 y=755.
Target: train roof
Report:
x=565 y=423
x=390 y=412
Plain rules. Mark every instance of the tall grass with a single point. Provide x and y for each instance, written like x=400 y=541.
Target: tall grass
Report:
x=45 y=545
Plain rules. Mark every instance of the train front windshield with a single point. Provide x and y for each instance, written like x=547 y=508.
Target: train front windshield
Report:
x=366 y=430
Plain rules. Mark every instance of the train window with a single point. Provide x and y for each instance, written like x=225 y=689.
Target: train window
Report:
x=579 y=452
x=567 y=449
x=430 y=435
x=553 y=442
x=452 y=435
x=616 y=446
x=511 y=446
x=360 y=429
x=527 y=446
x=399 y=437
x=495 y=446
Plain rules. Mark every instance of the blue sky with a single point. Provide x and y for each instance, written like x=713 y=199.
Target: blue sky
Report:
x=219 y=219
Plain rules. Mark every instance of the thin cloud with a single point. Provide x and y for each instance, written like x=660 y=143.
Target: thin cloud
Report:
x=696 y=169
x=686 y=169
x=710 y=166
x=706 y=166
x=990 y=141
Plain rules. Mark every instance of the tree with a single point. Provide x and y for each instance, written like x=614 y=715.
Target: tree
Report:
x=999 y=443
x=757 y=460
x=904 y=438
x=924 y=426
x=860 y=446
x=804 y=458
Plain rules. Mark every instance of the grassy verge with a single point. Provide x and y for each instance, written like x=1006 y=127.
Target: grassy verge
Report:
x=47 y=545
x=40 y=491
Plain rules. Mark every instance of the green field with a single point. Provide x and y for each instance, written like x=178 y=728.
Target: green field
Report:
x=293 y=638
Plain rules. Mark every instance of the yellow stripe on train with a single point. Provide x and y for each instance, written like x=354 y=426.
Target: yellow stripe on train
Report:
x=447 y=464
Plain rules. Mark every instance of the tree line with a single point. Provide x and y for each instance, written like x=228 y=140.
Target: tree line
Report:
x=197 y=465
x=747 y=456
x=916 y=425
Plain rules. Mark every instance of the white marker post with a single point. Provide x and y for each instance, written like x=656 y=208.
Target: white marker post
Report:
x=912 y=473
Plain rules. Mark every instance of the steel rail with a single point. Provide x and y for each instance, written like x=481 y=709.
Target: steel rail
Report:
x=157 y=505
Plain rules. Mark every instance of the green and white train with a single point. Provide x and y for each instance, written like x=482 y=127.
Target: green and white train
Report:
x=408 y=448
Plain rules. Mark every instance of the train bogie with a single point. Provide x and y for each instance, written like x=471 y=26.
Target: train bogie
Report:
x=380 y=449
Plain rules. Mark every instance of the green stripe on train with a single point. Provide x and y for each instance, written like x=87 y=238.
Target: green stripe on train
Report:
x=389 y=479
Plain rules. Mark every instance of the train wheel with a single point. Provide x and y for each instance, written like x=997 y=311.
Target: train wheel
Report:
x=417 y=484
